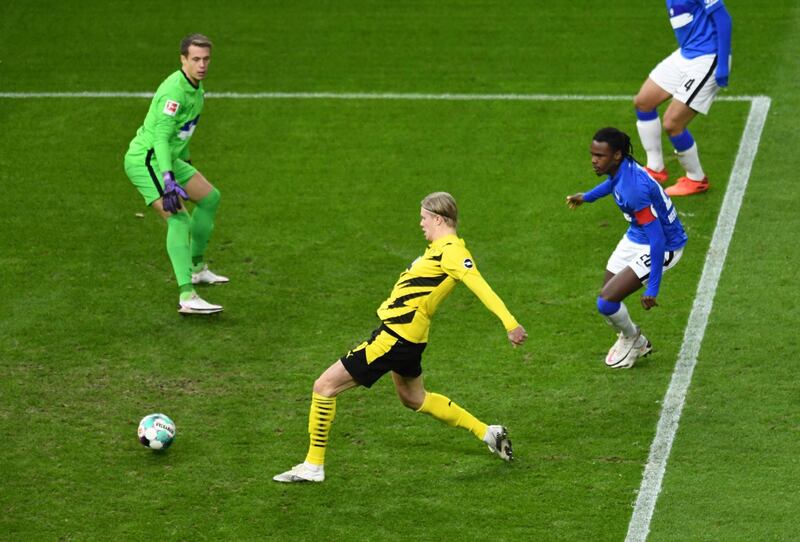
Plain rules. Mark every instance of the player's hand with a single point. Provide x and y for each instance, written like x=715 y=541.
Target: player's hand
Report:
x=575 y=200
x=648 y=302
x=517 y=336
x=172 y=191
x=722 y=80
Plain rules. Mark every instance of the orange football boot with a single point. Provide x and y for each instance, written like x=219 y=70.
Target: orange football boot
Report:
x=686 y=187
x=660 y=176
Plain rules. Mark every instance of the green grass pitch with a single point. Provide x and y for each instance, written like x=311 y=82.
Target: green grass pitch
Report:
x=319 y=215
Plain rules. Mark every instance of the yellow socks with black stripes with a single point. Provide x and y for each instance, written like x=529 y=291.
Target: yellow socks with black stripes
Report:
x=442 y=408
x=320 y=419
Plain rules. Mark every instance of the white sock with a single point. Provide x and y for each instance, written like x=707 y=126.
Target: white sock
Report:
x=650 y=135
x=621 y=321
x=690 y=160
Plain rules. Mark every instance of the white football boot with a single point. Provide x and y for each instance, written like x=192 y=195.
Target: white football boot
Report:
x=627 y=350
x=206 y=276
x=197 y=305
x=496 y=438
x=304 y=472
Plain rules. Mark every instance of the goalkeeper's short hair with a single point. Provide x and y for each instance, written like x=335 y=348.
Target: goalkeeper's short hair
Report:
x=198 y=40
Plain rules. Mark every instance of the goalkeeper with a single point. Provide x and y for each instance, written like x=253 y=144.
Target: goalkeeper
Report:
x=158 y=164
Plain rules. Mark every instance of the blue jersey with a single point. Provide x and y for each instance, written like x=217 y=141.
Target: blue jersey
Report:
x=634 y=190
x=694 y=29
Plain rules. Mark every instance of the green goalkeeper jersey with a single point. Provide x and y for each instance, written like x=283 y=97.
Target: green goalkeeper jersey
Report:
x=170 y=122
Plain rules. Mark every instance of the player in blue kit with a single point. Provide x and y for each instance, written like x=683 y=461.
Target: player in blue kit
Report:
x=692 y=75
x=652 y=244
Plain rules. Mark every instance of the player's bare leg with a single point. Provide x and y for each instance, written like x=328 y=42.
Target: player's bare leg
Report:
x=648 y=125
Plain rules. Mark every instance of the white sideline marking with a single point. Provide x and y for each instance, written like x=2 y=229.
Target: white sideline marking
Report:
x=672 y=406
x=359 y=96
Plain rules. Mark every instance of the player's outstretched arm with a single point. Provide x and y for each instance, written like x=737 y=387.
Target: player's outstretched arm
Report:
x=601 y=190
x=478 y=286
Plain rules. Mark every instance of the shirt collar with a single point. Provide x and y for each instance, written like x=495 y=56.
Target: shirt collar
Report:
x=626 y=162
x=442 y=241
x=187 y=83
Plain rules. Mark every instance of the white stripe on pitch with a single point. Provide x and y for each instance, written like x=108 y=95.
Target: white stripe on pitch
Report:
x=672 y=406
x=358 y=96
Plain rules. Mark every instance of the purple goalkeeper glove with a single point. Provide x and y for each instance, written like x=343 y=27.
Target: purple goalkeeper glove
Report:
x=172 y=191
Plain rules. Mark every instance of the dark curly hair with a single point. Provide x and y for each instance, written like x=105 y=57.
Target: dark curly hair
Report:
x=616 y=139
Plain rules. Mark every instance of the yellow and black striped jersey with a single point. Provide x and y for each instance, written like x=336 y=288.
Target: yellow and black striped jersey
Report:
x=427 y=281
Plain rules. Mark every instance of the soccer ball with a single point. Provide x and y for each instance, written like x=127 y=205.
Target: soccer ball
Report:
x=156 y=431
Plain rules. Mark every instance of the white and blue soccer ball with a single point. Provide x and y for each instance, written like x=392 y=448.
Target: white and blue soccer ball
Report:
x=156 y=431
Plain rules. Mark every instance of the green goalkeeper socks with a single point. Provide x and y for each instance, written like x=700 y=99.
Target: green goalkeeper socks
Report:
x=203 y=224
x=178 y=227
x=185 y=292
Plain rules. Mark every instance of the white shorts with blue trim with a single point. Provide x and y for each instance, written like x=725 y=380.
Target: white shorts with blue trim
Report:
x=637 y=257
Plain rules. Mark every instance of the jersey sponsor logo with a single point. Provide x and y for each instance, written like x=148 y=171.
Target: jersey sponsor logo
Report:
x=468 y=264
x=710 y=3
x=171 y=107
x=187 y=129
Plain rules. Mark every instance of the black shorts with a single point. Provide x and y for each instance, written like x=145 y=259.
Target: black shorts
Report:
x=384 y=351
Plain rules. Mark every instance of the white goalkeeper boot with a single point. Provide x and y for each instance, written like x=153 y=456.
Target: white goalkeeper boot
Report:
x=197 y=305
x=206 y=276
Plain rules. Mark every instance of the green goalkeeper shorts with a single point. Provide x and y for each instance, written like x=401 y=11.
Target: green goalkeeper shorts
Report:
x=142 y=169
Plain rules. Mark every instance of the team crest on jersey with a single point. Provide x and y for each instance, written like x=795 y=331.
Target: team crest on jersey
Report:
x=170 y=108
x=468 y=264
